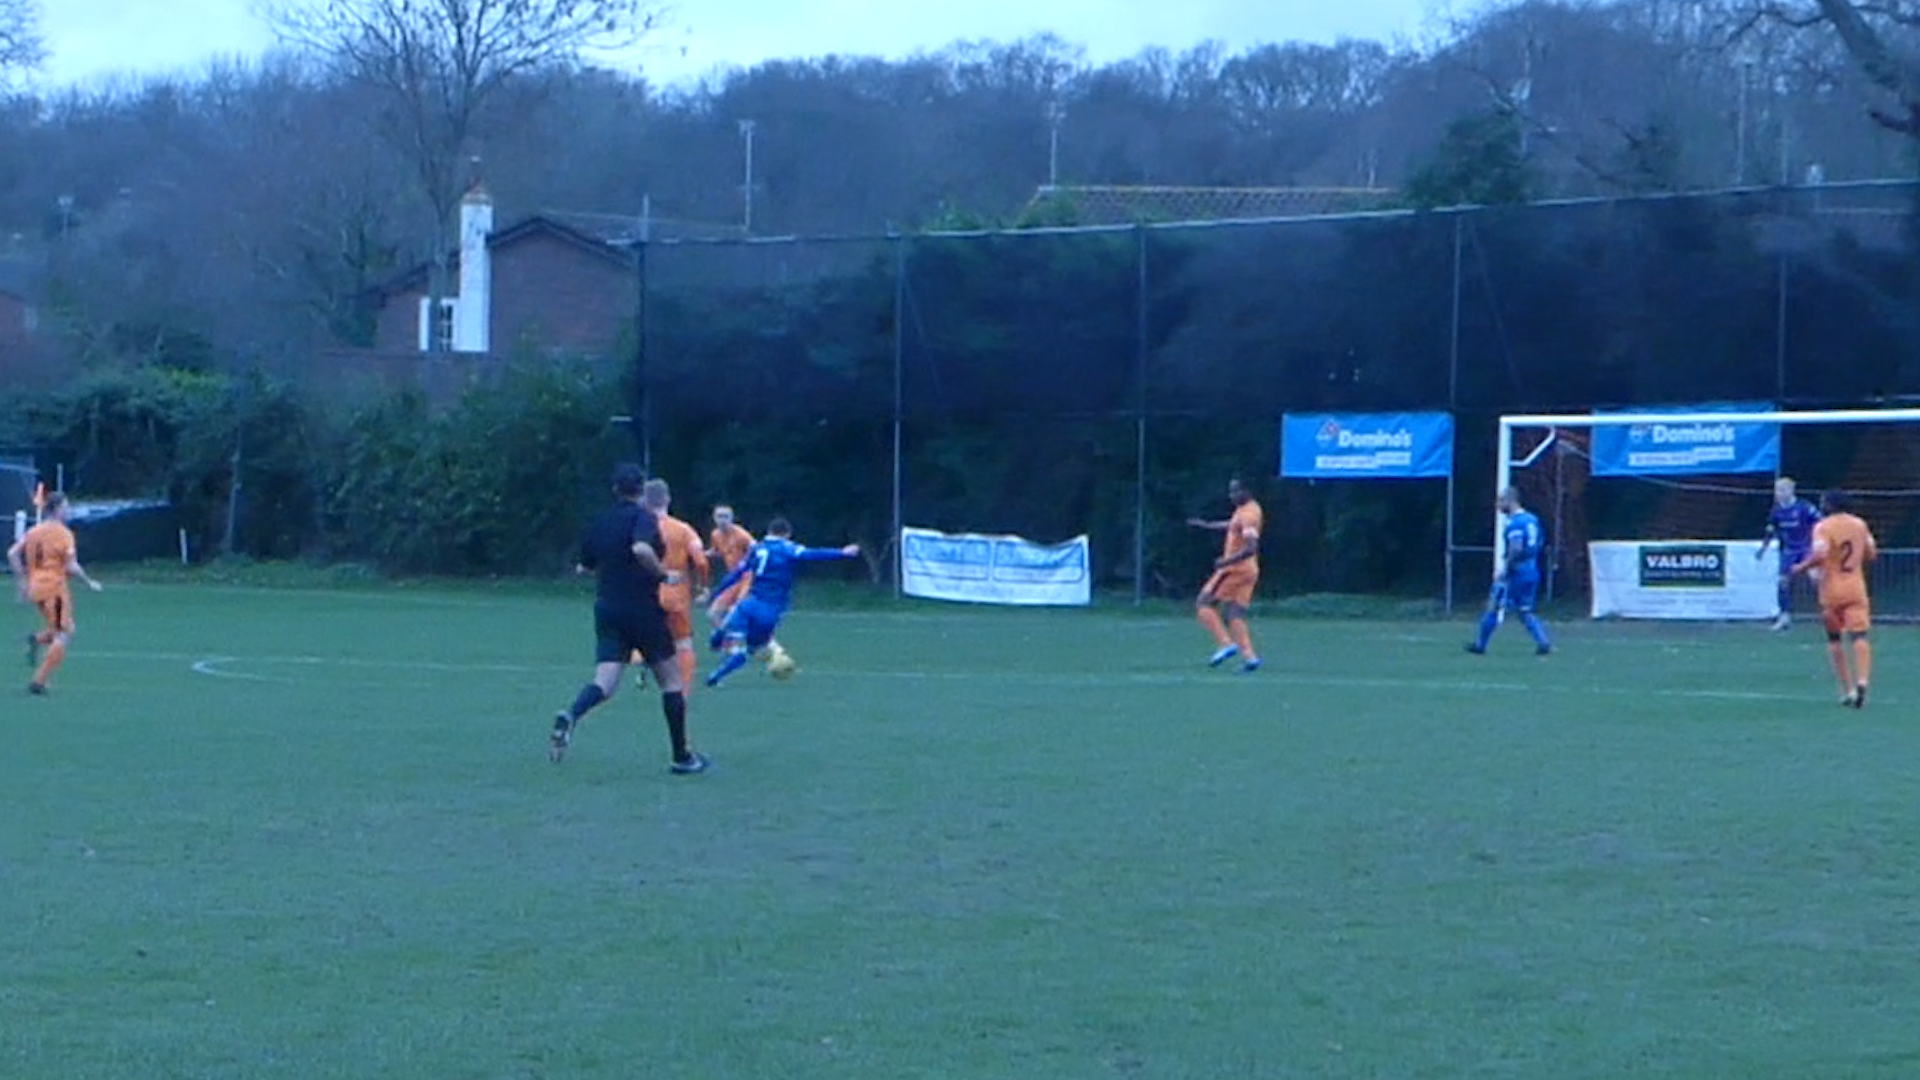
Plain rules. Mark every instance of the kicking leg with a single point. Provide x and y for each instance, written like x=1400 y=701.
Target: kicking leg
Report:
x=736 y=659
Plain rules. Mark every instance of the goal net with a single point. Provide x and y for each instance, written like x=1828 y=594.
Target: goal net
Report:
x=1661 y=514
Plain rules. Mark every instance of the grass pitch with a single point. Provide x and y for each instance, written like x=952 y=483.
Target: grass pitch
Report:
x=302 y=835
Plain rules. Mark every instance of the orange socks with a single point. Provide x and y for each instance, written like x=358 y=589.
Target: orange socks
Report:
x=1243 y=638
x=55 y=654
x=685 y=656
x=1862 y=660
x=1837 y=653
x=1210 y=619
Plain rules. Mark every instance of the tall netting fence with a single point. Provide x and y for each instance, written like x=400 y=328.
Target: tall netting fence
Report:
x=766 y=380
x=1108 y=382
x=1249 y=323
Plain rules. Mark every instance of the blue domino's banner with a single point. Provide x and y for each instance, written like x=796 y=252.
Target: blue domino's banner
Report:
x=1690 y=447
x=1366 y=446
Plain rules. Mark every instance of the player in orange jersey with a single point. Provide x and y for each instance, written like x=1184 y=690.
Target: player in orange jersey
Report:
x=731 y=542
x=687 y=573
x=1842 y=548
x=41 y=561
x=1229 y=592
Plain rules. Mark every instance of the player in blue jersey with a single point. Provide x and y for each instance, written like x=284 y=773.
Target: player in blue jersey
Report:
x=774 y=563
x=1519 y=584
x=1790 y=524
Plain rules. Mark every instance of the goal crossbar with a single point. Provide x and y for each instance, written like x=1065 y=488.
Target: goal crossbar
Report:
x=1505 y=464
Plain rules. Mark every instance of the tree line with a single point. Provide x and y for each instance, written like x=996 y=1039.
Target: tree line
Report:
x=222 y=222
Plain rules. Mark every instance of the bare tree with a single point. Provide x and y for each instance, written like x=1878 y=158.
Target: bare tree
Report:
x=440 y=67
x=1877 y=35
x=21 y=47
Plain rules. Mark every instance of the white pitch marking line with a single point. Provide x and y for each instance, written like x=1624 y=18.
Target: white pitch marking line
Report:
x=1274 y=679
x=211 y=667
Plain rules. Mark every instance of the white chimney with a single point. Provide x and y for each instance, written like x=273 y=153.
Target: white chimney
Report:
x=473 y=313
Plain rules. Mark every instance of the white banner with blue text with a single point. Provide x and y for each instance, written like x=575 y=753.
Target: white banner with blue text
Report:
x=975 y=569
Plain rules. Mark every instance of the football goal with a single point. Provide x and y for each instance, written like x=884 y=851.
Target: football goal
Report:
x=1661 y=513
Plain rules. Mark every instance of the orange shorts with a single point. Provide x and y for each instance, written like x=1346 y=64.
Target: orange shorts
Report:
x=1233 y=585
x=1847 y=616
x=56 y=610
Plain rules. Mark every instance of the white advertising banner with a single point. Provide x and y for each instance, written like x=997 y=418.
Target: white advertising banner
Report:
x=1683 y=579
x=974 y=569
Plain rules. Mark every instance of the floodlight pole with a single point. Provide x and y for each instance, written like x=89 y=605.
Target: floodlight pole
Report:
x=747 y=129
x=899 y=411
x=1453 y=402
x=1141 y=351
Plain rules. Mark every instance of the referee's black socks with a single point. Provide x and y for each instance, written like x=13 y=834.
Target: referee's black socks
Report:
x=590 y=697
x=675 y=707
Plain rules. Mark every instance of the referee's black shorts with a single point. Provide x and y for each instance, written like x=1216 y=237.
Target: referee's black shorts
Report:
x=619 y=632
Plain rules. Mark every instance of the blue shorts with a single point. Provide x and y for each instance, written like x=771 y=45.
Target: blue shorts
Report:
x=754 y=620
x=1792 y=557
x=1518 y=593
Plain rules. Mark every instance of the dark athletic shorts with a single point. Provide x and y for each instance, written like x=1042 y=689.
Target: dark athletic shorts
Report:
x=621 y=632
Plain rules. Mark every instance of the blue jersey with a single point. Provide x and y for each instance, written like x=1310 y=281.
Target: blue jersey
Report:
x=1525 y=542
x=1791 y=526
x=774 y=563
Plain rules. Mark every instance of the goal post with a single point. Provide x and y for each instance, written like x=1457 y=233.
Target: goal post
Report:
x=1696 y=432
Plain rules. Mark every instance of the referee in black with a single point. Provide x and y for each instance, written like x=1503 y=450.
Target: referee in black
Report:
x=622 y=549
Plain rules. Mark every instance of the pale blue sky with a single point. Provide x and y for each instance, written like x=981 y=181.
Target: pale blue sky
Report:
x=94 y=38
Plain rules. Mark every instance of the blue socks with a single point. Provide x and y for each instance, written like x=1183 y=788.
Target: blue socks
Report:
x=1491 y=622
x=734 y=662
x=1488 y=624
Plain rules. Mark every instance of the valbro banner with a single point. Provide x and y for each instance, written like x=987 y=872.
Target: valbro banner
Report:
x=1686 y=579
x=1366 y=446
x=1688 y=447
x=975 y=569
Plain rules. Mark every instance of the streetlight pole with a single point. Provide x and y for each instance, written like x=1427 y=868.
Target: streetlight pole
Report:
x=1056 y=116
x=746 y=134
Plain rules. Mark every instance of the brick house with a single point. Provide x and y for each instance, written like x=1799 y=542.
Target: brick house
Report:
x=544 y=283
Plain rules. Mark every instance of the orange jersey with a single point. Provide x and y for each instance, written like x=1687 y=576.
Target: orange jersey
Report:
x=1243 y=535
x=683 y=556
x=1845 y=546
x=48 y=549
x=732 y=543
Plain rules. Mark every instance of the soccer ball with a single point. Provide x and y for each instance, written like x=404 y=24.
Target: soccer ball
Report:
x=782 y=666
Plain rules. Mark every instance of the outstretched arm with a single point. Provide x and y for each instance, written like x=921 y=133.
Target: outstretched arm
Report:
x=74 y=569
x=807 y=554
x=1210 y=526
